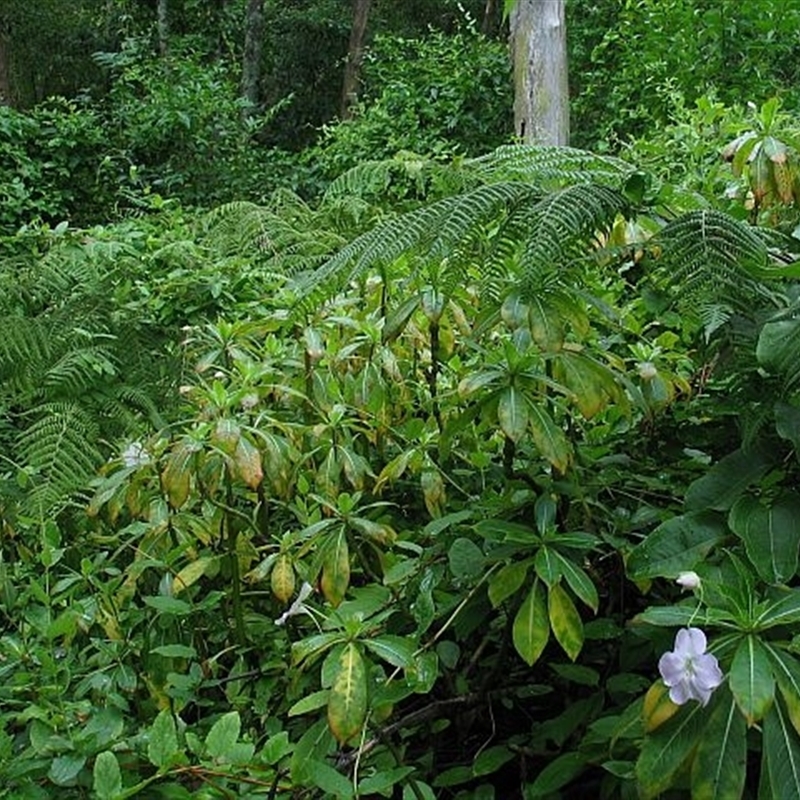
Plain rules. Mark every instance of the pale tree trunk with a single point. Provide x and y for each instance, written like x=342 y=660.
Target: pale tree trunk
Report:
x=162 y=26
x=355 y=55
x=541 y=90
x=251 y=63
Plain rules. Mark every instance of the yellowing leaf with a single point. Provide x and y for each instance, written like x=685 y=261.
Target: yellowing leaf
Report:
x=347 y=702
x=658 y=708
x=191 y=573
x=248 y=463
x=531 y=628
x=176 y=477
x=565 y=621
x=336 y=569
x=282 y=578
x=512 y=413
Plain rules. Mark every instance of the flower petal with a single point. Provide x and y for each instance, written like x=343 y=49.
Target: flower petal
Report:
x=672 y=668
x=690 y=642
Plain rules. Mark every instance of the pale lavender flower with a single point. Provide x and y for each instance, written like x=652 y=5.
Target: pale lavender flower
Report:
x=688 y=580
x=135 y=455
x=690 y=672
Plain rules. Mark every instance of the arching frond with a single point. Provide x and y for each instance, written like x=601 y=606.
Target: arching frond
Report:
x=561 y=225
x=711 y=255
x=549 y=167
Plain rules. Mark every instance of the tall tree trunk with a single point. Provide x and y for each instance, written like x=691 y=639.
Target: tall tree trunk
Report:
x=355 y=55
x=488 y=17
x=5 y=64
x=162 y=26
x=541 y=89
x=251 y=63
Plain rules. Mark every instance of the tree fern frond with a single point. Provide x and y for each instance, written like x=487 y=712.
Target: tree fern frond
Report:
x=78 y=370
x=59 y=449
x=25 y=347
x=561 y=223
x=710 y=254
x=549 y=167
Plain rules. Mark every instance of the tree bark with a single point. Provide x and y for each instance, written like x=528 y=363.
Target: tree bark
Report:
x=251 y=63
x=541 y=89
x=162 y=26
x=488 y=17
x=355 y=56
x=5 y=64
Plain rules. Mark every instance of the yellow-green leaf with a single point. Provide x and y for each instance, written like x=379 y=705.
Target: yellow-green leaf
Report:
x=336 y=569
x=531 y=628
x=347 y=702
x=719 y=765
x=549 y=438
x=512 y=413
x=658 y=707
x=282 y=578
x=565 y=621
x=248 y=463
x=191 y=573
x=176 y=477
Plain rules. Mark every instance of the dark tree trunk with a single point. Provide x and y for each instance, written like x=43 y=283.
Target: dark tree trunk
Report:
x=251 y=63
x=488 y=17
x=162 y=26
x=355 y=55
x=539 y=51
x=5 y=64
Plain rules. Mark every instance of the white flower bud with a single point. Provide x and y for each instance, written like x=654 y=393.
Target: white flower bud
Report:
x=688 y=580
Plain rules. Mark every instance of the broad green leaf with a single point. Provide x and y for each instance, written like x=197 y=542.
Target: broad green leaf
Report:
x=316 y=744
x=398 y=651
x=223 y=736
x=549 y=438
x=466 y=559
x=168 y=605
x=397 y=319
x=162 y=741
x=107 y=778
x=565 y=621
x=175 y=651
x=777 y=348
x=720 y=763
x=347 y=703
x=664 y=752
x=676 y=545
x=785 y=611
x=531 y=628
x=786 y=669
x=727 y=480
x=65 y=769
x=578 y=581
x=507 y=581
x=548 y=567
x=512 y=413
x=313 y=646
x=383 y=780
x=751 y=679
x=781 y=755
x=491 y=759
x=310 y=702
x=336 y=568
x=771 y=534
x=787 y=423
x=557 y=774
x=332 y=783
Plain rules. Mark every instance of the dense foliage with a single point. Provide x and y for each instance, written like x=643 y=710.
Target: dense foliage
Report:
x=416 y=464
